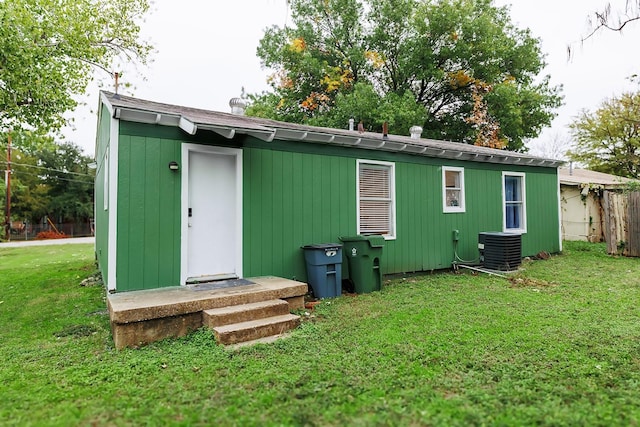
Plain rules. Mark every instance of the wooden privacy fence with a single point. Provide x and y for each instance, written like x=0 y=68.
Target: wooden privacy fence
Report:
x=622 y=223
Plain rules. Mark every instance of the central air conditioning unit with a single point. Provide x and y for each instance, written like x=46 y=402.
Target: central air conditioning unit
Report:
x=500 y=251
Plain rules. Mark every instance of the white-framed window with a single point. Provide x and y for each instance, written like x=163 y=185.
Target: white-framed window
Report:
x=514 y=202
x=453 y=189
x=376 y=198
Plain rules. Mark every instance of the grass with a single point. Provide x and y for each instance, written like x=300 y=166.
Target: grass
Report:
x=556 y=344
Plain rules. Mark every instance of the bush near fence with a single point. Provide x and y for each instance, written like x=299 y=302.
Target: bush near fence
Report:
x=31 y=231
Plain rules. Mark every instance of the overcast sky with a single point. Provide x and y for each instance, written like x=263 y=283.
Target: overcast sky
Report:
x=206 y=52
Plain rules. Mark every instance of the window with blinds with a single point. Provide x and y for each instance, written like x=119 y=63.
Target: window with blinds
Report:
x=376 y=203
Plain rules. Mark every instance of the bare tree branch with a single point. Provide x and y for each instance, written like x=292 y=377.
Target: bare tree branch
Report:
x=604 y=19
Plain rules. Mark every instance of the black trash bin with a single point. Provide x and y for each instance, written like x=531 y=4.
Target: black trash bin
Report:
x=364 y=257
x=324 y=269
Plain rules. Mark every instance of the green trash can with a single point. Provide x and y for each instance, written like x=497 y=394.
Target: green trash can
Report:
x=364 y=257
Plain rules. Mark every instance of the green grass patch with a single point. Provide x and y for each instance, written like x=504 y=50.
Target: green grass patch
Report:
x=558 y=343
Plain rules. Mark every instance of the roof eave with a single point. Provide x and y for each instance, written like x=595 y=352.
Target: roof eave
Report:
x=365 y=141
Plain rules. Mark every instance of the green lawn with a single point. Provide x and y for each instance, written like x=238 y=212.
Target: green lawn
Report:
x=558 y=344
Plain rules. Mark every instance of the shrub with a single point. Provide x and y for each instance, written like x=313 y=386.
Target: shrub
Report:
x=43 y=235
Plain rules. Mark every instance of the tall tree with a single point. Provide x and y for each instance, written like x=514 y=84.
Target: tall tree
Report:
x=48 y=179
x=66 y=174
x=471 y=75
x=29 y=197
x=29 y=194
x=49 y=49
x=608 y=139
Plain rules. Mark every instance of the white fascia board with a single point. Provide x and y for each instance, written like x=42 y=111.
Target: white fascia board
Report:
x=224 y=132
x=269 y=134
x=393 y=146
x=344 y=140
x=147 y=117
x=188 y=126
x=325 y=138
x=290 y=134
x=371 y=144
x=105 y=101
x=112 y=176
x=415 y=149
x=266 y=136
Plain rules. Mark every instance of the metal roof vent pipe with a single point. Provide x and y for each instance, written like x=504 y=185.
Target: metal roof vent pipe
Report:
x=416 y=132
x=238 y=106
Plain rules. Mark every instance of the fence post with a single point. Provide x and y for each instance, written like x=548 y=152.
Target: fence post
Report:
x=610 y=224
x=632 y=247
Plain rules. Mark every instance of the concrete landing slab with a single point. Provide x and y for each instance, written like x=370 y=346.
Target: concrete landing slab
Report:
x=135 y=306
x=141 y=317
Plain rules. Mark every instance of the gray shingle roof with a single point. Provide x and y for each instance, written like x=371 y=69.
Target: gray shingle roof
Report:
x=193 y=119
x=577 y=176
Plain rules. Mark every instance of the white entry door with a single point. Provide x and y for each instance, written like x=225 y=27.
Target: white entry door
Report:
x=213 y=217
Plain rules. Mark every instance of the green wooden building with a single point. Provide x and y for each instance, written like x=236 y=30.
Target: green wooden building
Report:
x=183 y=193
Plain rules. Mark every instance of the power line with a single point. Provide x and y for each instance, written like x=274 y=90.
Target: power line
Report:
x=49 y=169
x=13 y=171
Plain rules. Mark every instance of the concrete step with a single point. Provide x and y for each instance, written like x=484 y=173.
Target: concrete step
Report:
x=244 y=312
x=254 y=329
x=141 y=317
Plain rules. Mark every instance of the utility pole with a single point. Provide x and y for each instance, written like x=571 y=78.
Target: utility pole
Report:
x=8 y=181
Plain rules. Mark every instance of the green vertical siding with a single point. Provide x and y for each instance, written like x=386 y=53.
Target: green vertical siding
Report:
x=297 y=193
x=148 y=248
x=101 y=216
x=290 y=200
x=543 y=214
x=424 y=239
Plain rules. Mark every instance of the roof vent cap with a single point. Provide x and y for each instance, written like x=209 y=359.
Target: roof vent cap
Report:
x=416 y=132
x=238 y=106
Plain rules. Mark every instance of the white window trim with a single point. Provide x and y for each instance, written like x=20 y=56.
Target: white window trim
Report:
x=522 y=229
x=392 y=190
x=461 y=203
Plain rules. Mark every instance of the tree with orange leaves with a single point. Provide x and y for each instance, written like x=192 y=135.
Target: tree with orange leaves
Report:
x=458 y=68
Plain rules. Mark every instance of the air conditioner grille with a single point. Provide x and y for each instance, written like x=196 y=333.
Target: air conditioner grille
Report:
x=500 y=251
